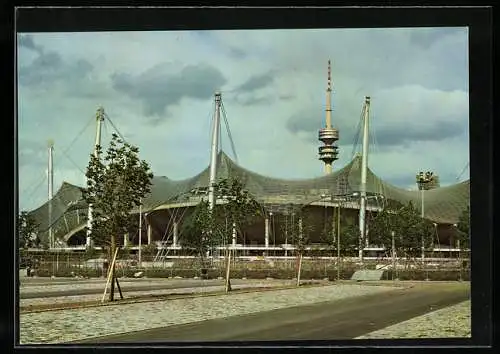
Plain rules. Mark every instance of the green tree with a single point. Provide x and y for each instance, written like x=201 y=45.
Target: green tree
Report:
x=409 y=229
x=299 y=229
x=197 y=231
x=115 y=186
x=90 y=253
x=27 y=229
x=327 y=235
x=349 y=234
x=238 y=208
x=149 y=250
x=464 y=228
x=349 y=237
x=206 y=229
x=415 y=231
x=381 y=227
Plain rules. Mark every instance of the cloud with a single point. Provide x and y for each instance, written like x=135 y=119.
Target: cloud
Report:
x=33 y=153
x=165 y=85
x=399 y=116
x=257 y=82
x=253 y=90
x=394 y=59
x=254 y=100
x=427 y=37
x=395 y=135
x=49 y=68
x=26 y=41
x=417 y=78
x=237 y=53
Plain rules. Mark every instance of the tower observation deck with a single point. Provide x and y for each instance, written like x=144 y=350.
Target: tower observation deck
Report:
x=328 y=135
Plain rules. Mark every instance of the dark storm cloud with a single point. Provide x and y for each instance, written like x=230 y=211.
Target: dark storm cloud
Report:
x=26 y=41
x=396 y=134
x=400 y=134
x=159 y=88
x=299 y=122
x=49 y=67
x=311 y=122
x=257 y=82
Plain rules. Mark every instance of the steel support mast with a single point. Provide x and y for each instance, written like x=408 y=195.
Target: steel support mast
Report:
x=99 y=120
x=214 y=152
x=364 y=168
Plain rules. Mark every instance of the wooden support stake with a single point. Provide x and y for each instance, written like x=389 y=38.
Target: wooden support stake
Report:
x=228 y=267
x=300 y=268
x=109 y=274
x=119 y=289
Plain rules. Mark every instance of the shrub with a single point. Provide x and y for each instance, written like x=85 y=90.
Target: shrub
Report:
x=149 y=250
x=90 y=253
x=239 y=272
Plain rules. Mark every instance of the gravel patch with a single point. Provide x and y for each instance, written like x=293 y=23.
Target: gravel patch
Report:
x=449 y=322
x=76 y=324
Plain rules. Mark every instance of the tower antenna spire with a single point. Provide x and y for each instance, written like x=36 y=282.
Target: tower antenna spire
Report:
x=328 y=135
x=329 y=88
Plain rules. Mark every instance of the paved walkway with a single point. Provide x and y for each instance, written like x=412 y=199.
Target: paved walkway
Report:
x=342 y=319
x=77 y=324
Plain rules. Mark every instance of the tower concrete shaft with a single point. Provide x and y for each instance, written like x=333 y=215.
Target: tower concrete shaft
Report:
x=328 y=135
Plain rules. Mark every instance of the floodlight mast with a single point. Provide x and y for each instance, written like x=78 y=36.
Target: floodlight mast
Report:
x=99 y=120
x=424 y=182
x=364 y=168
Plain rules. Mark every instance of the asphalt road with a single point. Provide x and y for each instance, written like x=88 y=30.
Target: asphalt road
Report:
x=128 y=286
x=341 y=319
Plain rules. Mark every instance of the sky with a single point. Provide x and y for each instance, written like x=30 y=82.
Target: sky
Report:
x=157 y=88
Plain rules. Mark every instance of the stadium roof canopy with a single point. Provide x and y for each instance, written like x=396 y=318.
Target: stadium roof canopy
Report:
x=442 y=205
